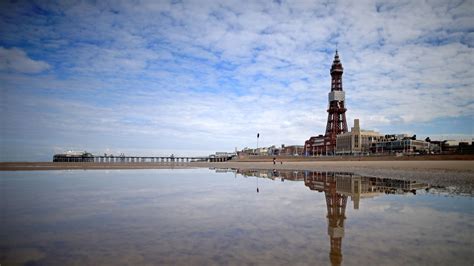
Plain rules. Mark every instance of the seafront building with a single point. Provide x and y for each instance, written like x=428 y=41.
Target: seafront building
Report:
x=357 y=141
x=401 y=144
x=365 y=142
x=455 y=146
x=291 y=150
x=246 y=152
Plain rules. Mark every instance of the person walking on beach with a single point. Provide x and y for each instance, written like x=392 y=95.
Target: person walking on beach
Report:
x=274 y=162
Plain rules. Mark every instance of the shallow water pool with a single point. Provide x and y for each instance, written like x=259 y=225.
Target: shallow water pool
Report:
x=205 y=217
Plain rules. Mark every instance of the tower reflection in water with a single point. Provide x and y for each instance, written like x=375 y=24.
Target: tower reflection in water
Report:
x=337 y=188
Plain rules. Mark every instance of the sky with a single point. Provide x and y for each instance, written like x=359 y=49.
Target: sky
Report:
x=195 y=77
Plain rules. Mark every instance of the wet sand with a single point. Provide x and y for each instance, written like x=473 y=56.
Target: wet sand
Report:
x=456 y=174
x=465 y=165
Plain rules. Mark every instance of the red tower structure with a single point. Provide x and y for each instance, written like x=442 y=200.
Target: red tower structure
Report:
x=336 y=112
x=336 y=124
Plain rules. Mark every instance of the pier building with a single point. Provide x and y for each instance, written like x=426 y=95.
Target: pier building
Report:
x=74 y=156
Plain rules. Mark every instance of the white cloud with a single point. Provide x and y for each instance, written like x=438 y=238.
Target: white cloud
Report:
x=15 y=59
x=219 y=72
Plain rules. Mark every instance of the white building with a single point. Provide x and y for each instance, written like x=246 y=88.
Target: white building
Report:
x=356 y=141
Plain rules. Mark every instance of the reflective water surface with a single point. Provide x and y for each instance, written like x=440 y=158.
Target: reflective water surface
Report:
x=204 y=217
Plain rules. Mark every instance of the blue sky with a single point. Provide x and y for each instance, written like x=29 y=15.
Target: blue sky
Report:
x=195 y=77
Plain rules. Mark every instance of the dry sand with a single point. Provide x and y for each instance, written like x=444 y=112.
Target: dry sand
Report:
x=458 y=175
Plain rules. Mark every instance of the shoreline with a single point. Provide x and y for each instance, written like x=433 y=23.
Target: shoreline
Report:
x=428 y=165
x=457 y=175
x=434 y=157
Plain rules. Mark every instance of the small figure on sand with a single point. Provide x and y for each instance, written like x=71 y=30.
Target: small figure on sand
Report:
x=274 y=160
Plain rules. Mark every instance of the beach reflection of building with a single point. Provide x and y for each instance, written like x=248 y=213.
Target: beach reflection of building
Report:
x=336 y=208
x=338 y=188
x=273 y=174
x=349 y=184
x=322 y=182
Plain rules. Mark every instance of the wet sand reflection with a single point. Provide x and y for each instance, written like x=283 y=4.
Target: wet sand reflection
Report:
x=337 y=188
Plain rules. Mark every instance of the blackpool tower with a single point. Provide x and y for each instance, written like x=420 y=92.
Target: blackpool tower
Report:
x=336 y=124
x=336 y=112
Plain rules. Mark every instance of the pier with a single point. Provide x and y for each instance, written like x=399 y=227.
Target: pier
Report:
x=89 y=158
x=140 y=159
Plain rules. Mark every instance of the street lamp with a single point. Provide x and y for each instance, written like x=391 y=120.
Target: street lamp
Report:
x=258 y=136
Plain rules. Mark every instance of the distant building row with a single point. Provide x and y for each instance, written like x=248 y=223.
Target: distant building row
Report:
x=291 y=150
x=359 y=141
x=365 y=142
